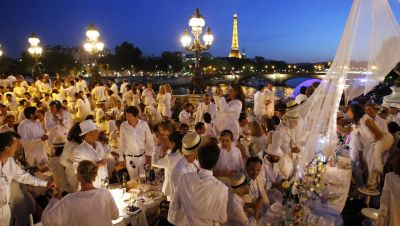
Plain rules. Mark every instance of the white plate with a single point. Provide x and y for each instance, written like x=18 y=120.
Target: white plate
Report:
x=371 y=213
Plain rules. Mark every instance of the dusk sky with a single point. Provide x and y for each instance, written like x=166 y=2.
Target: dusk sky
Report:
x=290 y=30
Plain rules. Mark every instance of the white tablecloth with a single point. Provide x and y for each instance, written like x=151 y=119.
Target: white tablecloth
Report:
x=339 y=181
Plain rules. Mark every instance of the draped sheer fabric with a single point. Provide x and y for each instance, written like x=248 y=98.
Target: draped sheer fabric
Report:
x=368 y=51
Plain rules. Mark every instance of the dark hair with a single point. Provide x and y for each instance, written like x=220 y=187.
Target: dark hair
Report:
x=199 y=125
x=207 y=117
x=28 y=111
x=393 y=127
x=56 y=103
x=6 y=139
x=260 y=87
x=208 y=155
x=184 y=125
x=226 y=133
x=132 y=110
x=358 y=113
x=303 y=90
x=176 y=137
x=188 y=105
x=253 y=160
x=88 y=170
x=240 y=95
x=73 y=133
x=396 y=165
x=89 y=117
x=58 y=151
x=242 y=116
x=110 y=92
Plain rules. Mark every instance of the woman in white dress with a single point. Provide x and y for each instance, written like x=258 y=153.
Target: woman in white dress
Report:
x=229 y=112
x=169 y=160
x=89 y=206
x=160 y=99
x=67 y=158
x=168 y=100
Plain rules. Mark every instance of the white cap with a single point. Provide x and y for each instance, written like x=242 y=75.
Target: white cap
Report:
x=59 y=141
x=87 y=126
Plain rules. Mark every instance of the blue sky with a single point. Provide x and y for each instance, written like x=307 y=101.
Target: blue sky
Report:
x=291 y=30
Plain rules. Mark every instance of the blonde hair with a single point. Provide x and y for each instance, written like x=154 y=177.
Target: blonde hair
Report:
x=87 y=170
x=256 y=129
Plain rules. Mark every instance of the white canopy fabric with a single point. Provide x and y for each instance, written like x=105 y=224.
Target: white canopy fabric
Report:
x=368 y=51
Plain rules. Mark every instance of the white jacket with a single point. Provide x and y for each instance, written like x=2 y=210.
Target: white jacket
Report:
x=228 y=115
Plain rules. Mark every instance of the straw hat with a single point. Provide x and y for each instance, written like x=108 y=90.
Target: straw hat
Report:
x=291 y=111
x=239 y=180
x=190 y=143
x=59 y=141
x=395 y=105
x=87 y=126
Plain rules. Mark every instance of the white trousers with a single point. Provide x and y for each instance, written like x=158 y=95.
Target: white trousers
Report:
x=39 y=155
x=5 y=215
x=375 y=158
x=135 y=166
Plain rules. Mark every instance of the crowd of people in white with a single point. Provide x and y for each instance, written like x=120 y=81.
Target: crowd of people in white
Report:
x=221 y=165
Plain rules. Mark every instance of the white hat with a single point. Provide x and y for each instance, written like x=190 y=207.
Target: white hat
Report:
x=87 y=126
x=190 y=143
x=59 y=142
x=239 y=180
x=395 y=105
x=291 y=110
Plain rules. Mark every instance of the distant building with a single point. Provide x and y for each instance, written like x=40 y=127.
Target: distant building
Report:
x=235 y=52
x=191 y=57
x=77 y=52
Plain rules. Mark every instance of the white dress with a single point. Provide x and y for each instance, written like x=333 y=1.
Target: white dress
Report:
x=228 y=116
x=67 y=160
x=83 y=208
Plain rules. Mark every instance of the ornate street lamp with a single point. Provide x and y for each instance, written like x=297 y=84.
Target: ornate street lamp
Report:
x=1 y=51
x=197 y=23
x=35 y=50
x=94 y=47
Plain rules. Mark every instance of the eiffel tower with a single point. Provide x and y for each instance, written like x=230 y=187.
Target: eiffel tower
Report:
x=235 y=52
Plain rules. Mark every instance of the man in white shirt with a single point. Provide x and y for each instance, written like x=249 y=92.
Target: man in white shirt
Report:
x=200 y=196
x=99 y=93
x=302 y=95
x=136 y=142
x=32 y=138
x=82 y=106
x=123 y=88
x=269 y=101
x=9 y=122
x=113 y=86
x=190 y=144
x=148 y=95
x=206 y=106
x=11 y=102
x=92 y=150
x=19 y=90
x=259 y=104
x=10 y=171
x=258 y=194
x=371 y=110
x=186 y=114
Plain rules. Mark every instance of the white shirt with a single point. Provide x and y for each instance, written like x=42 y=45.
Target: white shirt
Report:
x=167 y=163
x=19 y=91
x=300 y=98
x=202 y=108
x=148 y=97
x=259 y=103
x=390 y=207
x=31 y=133
x=11 y=171
x=85 y=151
x=258 y=186
x=272 y=173
x=236 y=213
x=5 y=128
x=176 y=216
x=99 y=93
x=83 y=208
x=136 y=140
x=202 y=198
x=184 y=117
x=114 y=88
x=123 y=88
x=228 y=115
x=83 y=108
x=210 y=131
x=53 y=125
x=229 y=161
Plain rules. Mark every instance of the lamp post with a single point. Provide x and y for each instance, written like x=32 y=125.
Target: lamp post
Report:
x=94 y=47
x=35 y=50
x=197 y=23
x=1 y=54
